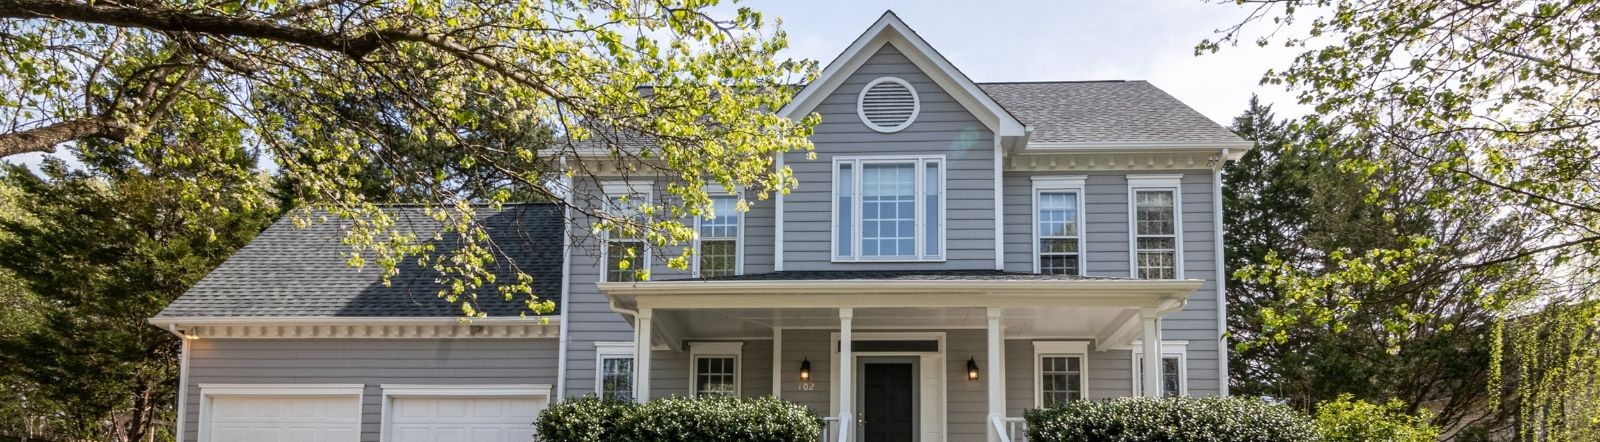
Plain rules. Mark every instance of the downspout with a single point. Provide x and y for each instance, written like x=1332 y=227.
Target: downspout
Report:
x=1221 y=274
x=566 y=281
x=183 y=381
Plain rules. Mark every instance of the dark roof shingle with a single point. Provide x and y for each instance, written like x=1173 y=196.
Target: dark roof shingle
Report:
x=1105 y=112
x=288 y=271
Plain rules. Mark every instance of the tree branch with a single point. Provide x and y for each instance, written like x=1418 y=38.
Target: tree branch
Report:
x=45 y=138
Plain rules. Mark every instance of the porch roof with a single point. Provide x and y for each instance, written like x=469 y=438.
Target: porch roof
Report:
x=898 y=289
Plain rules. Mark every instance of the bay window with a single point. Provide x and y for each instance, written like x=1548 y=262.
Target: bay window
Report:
x=888 y=208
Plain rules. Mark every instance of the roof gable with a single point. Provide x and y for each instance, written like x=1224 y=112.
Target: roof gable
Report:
x=890 y=30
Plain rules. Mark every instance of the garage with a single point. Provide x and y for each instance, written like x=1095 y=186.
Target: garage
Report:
x=462 y=413
x=280 y=414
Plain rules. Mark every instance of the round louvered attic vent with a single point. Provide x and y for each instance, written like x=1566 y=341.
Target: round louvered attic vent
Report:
x=888 y=104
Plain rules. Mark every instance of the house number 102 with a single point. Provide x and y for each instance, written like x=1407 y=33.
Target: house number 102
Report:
x=808 y=386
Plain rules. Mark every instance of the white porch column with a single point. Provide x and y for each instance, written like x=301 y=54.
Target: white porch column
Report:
x=846 y=382
x=995 y=375
x=1151 y=340
x=777 y=362
x=641 y=346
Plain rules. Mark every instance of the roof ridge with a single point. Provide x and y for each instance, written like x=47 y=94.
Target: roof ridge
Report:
x=1058 y=81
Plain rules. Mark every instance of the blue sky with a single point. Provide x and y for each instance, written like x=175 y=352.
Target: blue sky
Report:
x=1032 y=40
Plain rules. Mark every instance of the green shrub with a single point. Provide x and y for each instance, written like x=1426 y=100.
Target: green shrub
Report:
x=1170 y=419
x=1348 y=420
x=678 y=419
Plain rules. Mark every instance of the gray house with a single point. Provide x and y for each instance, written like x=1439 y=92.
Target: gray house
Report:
x=956 y=253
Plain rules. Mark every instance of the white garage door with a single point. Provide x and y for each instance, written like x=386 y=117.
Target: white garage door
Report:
x=285 y=419
x=485 y=419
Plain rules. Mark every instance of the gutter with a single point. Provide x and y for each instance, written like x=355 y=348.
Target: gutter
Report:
x=183 y=381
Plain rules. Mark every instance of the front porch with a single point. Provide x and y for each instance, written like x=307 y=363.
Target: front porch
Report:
x=929 y=360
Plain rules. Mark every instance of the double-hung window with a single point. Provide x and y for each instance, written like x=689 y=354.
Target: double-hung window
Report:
x=1058 y=229
x=888 y=208
x=625 y=255
x=614 y=373
x=716 y=368
x=1174 y=379
x=1156 y=226
x=719 y=234
x=1061 y=371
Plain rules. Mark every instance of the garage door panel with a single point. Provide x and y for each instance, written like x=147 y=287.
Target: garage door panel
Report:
x=422 y=419
x=284 y=419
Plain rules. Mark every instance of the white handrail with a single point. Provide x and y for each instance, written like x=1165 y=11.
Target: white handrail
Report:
x=1000 y=428
x=827 y=425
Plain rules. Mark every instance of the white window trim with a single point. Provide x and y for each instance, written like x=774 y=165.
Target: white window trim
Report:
x=715 y=191
x=716 y=349
x=209 y=391
x=393 y=391
x=857 y=163
x=1069 y=183
x=1043 y=349
x=645 y=191
x=1173 y=183
x=916 y=105
x=612 y=350
x=1180 y=349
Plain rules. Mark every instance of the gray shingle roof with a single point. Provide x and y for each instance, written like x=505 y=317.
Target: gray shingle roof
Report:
x=902 y=275
x=287 y=271
x=1105 y=112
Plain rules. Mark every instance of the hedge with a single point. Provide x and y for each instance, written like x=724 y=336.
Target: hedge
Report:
x=1170 y=419
x=1349 y=420
x=678 y=419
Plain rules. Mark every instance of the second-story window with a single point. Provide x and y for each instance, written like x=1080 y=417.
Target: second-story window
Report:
x=1058 y=214
x=888 y=208
x=1157 y=234
x=625 y=255
x=719 y=238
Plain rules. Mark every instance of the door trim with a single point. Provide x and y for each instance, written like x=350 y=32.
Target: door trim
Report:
x=932 y=415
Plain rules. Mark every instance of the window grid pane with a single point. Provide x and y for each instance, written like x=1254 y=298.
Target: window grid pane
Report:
x=714 y=376
x=719 y=238
x=931 y=227
x=1155 y=224
x=1171 y=376
x=1060 y=379
x=1058 y=233
x=888 y=210
x=623 y=250
x=616 y=378
x=843 y=226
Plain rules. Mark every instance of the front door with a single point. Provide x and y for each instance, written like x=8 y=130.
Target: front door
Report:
x=888 y=401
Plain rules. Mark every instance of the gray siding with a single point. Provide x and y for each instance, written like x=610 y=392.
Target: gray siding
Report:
x=671 y=373
x=943 y=127
x=371 y=362
x=1106 y=254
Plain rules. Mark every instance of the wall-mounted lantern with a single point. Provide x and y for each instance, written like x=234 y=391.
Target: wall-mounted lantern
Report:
x=972 y=369
x=805 y=370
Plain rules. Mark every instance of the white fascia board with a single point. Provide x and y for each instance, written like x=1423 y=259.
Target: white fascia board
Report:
x=1236 y=149
x=318 y=320
x=1061 y=287
x=889 y=29
x=499 y=390
x=281 y=389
